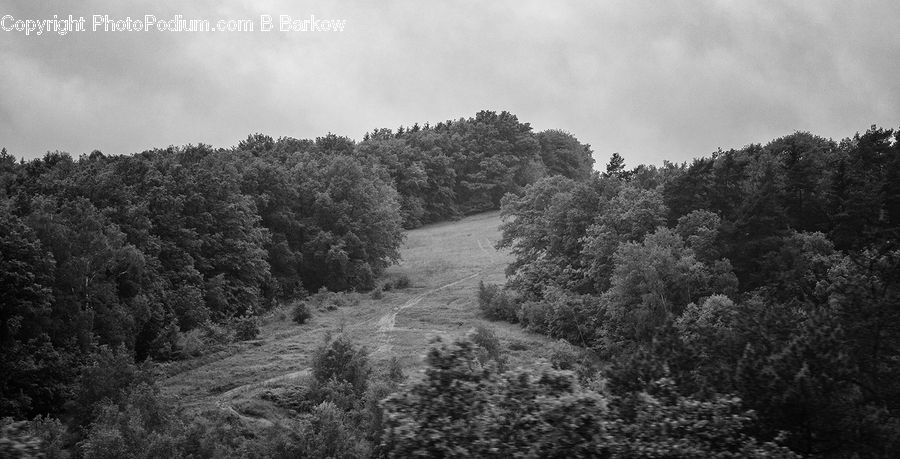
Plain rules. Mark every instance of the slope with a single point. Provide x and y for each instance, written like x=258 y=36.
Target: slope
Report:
x=444 y=263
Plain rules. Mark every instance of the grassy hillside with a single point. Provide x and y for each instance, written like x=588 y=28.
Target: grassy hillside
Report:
x=444 y=262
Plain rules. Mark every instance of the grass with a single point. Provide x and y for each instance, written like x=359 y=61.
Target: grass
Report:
x=444 y=263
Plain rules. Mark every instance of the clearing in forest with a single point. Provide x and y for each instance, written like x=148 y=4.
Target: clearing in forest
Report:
x=444 y=263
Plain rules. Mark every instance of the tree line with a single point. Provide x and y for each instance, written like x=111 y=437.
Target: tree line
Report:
x=127 y=254
x=770 y=273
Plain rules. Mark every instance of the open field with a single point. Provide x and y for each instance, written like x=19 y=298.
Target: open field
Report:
x=444 y=261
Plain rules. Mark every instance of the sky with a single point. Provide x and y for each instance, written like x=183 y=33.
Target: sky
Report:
x=652 y=81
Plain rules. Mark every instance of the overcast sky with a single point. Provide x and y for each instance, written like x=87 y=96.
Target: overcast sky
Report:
x=650 y=80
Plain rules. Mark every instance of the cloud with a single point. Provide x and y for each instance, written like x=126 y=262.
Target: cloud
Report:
x=650 y=80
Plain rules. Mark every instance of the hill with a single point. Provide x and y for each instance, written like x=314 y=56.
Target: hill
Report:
x=444 y=263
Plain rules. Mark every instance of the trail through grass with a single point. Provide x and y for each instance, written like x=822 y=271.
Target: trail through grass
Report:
x=444 y=262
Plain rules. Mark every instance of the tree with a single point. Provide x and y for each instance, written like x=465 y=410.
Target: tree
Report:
x=562 y=154
x=651 y=283
x=629 y=216
x=616 y=167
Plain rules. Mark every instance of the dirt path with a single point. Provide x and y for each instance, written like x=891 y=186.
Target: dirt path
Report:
x=387 y=323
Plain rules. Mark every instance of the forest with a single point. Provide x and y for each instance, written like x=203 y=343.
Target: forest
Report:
x=742 y=305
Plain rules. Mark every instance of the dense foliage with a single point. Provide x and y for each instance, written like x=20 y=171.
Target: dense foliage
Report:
x=466 y=409
x=464 y=166
x=743 y=305
x=171 y=252
x=771 y=273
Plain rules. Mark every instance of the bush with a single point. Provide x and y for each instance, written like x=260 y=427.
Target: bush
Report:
x=17 y=441
x=534 y=316
x=107 y=375
x=337 y=391
x=377 y=294
x=496 y=303
x=280 y=314
x=165 y=345
x=377 y=391
x=487 y=340
x=245 y=327
x=395 y=370
x=325 y=300
x=143 y=425
x=41 y=437
x=561 y=315
x=214 y=333
x=339 y=359
x=53 y=435
x=140 y=425
x=300 y=312
x=463 y=410
x=658 y=419
x=564 y=356
x=192 y=343
x=328 y=434
x=295 y=398
x=402 y=282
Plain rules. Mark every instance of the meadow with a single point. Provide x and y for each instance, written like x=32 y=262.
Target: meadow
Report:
x=444 y=263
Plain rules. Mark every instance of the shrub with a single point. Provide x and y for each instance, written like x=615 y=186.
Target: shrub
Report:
x=245 y=327
x=571 y=317
x=300 y=312
x=192 y=343
x=487 y=340
x=165 y=345
x=496 y=303
x=280 y=314
x=328 y=434
x=658 y=419
x=402 y=282
x=337 y=391
x=53 y=435
x=377 y=294
x=295 y=398
x=107 y=375
x=388 y=286
x=395 y=370
x=17 y=441
x=534 y=316
x=377 y=391
x=564 y=356
x=345 y=299
x=325 y=300
x=462 y=409
x=214 y=333
x=140 y=425
x=41 y=437
x=339 y=359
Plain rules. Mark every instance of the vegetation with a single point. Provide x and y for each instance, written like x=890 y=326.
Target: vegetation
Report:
x=300 y=312
x=740 y=306
x=140 y=250
x=466 y=409
x=768 y=273
x=463 y=166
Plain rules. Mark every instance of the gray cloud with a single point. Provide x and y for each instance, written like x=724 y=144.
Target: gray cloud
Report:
x=651 y=80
